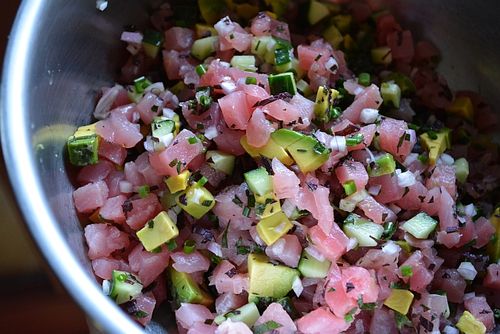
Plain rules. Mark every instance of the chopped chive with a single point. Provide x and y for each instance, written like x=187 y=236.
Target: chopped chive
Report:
x=319 y=148
x=237 y=200
x=224 y=236
x=389 y=230
x=140 y=84
x=268 y=326
x=349 y=187
x=143 y=191
x=151 y=224
x=251 y=80
x=334 y=113
x=207 y=203
x=406 y=271
x=364 y=79
x=192 y=140
x=202 y=181
x=189 y=246
x=251 y=201
x=215 y=259
x=366 y=306
x=432 y=134
x=200 y=69
x=246 y=211
x=178 y=167
x=355 y=139
x=171 y=245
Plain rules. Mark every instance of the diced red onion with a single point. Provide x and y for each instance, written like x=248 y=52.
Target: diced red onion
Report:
x=131 y=37
x=351 y=244
x=101 y=5
x=467 y=271
x=156 y=88
x=168 y=113
x=375 y=189
x=228 y=87
x=106 y=287
x=470 y=210
x=315 y=253
x=469 y=295
x=405 y=179
x=126 y=187
x=297 y=286
x=214 y=248
x=288 y=207
x=394 y=208
x=211 y=132
x=447 y=159
x=133 y=49
x=450 y=330
x=331 y=65
x=391 y=248
x=307 y=281
x=103 y=107
x=368 y=115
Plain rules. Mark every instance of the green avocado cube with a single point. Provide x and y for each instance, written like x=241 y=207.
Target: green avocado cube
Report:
x=308 y=153
x=184 y=289
x=259 y=181
x=196 y=201
x=285 y=137
x=310 y=267
x=383 y=165
x=83 y=146
x=157 y=231
x=268 y=279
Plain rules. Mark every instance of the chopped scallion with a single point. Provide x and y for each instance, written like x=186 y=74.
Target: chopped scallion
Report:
x=251 y=81
x=189 y=246
x=407 y=271
x=355 y=139
x=143 y=191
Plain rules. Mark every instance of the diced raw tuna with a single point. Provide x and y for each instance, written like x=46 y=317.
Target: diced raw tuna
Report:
x=189 y=314
x=201 y=328
x=179 y=153
x=132 y=174
x=90 y=197
x=352 y=171
x=413 y=199
x=151 y=177
x=254 y=93
x=232 y=35
x=390 y=191
x=430 y=204
x=287 y=249
x=306 y=110
x=119 y=130
x=492 y=279
x=226 y=279
x=283 y=111
x=321 y=321
x=480 y=309
x=421 y=277
x=259 y=129
x=103 y=267
x=235 y=110
x=369 y=98
x=376 y=211
x=452 y=283
x=112 y=209
x=149 y=107
x=113 y=152
x=227 y=210
x=229 y=140
x=178 y=38
x=139 y=211
x=285 y=182
x=360 y=282
x=217 y=72
x=230 y=327
x=104 y=239
x=332 y=246
x=275 y=312
x=229 y=301
x=383 y=322
x=401 y=44
x=95 y=173
x=148 y=266
x=113 y=182
x=145 y=304
x=396 y=138
x=484 y=231
x=190 y=263
x=447 y=219
x=443 y=175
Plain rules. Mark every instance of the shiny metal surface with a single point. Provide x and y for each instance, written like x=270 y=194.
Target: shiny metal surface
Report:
x=61 y=51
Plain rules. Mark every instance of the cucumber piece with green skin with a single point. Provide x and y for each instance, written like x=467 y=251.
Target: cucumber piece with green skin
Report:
x=204 y=47
x=310 y=267
x=383 y=165
x=248 y=314
x=282 y=83
x=420 y=226
x=162 y=126
x=259 y=181
x=184 y=289
x=363 y=230
x=244 y=63
x=124 y=287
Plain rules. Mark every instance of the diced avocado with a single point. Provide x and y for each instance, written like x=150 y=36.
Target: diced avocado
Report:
x=248 y=314
x=167 y=200
x=244 y=63
x=317 y=12
x=212 y=10
x=204 y=30
x=391 y=93
x=404 y=83
x=124 y=287
x=273 y=227
x=270 y=209
x=282 y=83
x=383 y=165
x=343 y=22
x=204 y=47
x=493 y=248
x=436 y=143
x=259 y=181
x=285 y=137
x=381 y=55
x=259 y=45
x=246 y=11
x=461 y=169
x=349 y=43
x=184 y=289
x=308 y=153
x=462 y=107
x=83 y=146
x=278 y=6
x=179 y=182
x=152 y=42
x=270 y=150
x=420 y=226
x=325 y=98
x=363 y=230
x=196 y=201
x=268 y=279
x=468 y=324
x=333 y=36
x=399 y=300
x=157 y=231
x=266 y=198
x=310 y=267
x=364 y=79
x=405 y=246
x=221 y=161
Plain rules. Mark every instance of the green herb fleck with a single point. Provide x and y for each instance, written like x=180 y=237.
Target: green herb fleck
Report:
x=266 y=327
x=189 y=246
x=406 y=271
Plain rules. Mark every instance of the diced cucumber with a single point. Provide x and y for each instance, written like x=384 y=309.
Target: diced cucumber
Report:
x=391 y=93
x=310 y=267
x=333 y=36
x=381 y=55
x=151 y=42
x=420 y=226
x=83 y=146
x=259 y=181
x=282 y=56
x=349 y=187
x=405 y=84
x=283 y=82
x=304 y=88
x=461 y=169
x=364 y=79
x=221 y=161
x=245 y=63
x=247 y=314
x=383 y=165
x=317 y=12
x=204 y=47
x=162 y=126
x=260 y=45
x=124 y=287
x=363 y=230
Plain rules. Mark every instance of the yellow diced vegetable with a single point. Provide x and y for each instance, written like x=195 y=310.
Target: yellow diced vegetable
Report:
x=178 y=182
x=273 y=227
x=470 y=325
x=436 y=146
x=462 y=107
x=157 y=231
x=494 y=245
x=271 y=209
x=399 y=300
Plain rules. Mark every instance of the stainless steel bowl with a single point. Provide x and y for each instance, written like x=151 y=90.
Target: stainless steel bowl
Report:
x=60 y=52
